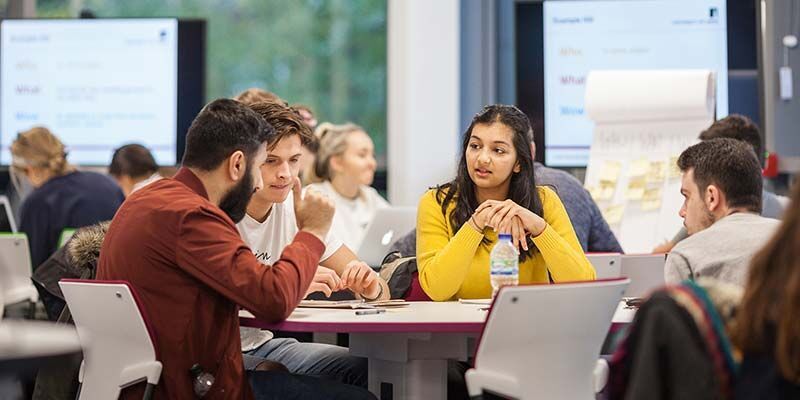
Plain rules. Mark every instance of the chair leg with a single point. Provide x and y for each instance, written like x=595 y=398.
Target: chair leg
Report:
x=148 y=391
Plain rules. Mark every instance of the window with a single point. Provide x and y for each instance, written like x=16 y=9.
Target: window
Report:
x=327 y=54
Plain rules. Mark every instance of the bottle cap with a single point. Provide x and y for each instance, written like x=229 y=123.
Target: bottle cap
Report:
x=505 y=236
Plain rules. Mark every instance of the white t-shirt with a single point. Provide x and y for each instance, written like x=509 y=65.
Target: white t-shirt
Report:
x=267 y=240
x=352 y=216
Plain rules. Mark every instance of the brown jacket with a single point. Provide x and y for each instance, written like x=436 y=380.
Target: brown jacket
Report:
x=184 y=257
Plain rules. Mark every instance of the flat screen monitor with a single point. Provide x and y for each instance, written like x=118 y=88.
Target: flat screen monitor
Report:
x=101 y=83
x=576 y=37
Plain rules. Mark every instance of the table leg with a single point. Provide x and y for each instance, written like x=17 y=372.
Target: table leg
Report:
x=409 y=365
x=413 y=379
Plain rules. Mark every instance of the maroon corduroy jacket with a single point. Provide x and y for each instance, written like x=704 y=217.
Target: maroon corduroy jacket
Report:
x=192 y=271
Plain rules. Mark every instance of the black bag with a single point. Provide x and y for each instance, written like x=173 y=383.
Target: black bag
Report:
x=398 y=272
x=76 y=259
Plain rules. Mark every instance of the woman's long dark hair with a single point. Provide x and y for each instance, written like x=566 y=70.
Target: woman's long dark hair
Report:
x=766 y=322
x=522 y=190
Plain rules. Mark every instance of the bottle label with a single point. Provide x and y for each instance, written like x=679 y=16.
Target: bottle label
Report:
x=504 y=267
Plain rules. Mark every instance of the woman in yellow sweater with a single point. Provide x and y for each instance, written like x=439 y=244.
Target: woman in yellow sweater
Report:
x=494 y=191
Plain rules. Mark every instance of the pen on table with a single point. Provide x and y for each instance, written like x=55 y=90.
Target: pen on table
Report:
x=371 y=312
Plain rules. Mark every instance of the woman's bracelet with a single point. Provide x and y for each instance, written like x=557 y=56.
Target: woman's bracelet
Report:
x=475 y=224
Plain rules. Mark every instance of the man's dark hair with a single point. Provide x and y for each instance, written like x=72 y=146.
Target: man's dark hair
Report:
x=132 y=160
x=729 y=164
x=737 y=127
x=221 y=128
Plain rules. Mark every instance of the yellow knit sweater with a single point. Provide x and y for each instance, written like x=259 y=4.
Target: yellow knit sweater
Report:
x=455 y=265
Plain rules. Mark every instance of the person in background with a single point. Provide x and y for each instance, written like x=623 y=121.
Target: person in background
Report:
x=721 y=186
x=63 y=197
x=133 y=167
x=344 y=168
x=593 y=231
x=270 y=225
x=766 y=329
x=255 y=95
x=495 y=191
x=741 y=128
x=311 y=146
x=177 y=245
x=307 y=114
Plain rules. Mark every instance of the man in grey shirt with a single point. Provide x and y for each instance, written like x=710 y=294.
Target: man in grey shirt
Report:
x=741 y=128
x=721 y=185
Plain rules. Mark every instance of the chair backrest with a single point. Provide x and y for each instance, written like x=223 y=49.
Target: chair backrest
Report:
x=118 y=346
x=7 y=222
x=415 y=291
x=15 y=269
x=547 y=338
x=606 y=265
x=646 y=272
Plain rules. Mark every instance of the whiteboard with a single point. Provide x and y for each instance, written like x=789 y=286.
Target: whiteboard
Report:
x=643 y=120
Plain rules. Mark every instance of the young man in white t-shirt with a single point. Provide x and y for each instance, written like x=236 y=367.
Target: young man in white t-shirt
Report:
x=270 y=225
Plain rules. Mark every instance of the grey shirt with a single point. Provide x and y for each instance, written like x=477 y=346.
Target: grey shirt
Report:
x=722 y=251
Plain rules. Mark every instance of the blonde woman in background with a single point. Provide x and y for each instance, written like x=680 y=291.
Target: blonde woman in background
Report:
x=343 y=169
x=63 y=197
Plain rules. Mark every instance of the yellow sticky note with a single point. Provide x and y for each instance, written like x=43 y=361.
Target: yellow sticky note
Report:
x=636 y=189
x=656 y=172
x=613 y=214
x=674 y=171
x=603 y=191
x=651 y=199
x=607 y=191
x=610 y=172
x=639 y=168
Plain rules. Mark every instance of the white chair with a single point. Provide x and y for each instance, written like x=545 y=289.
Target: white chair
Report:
x=606 y=265
x=646 y=272
x=543 y=341
x=15 y=270
x=117 y=344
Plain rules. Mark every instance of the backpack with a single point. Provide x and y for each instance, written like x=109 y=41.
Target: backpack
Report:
x=401 y=275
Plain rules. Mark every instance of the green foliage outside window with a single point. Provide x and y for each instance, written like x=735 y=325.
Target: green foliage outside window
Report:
x=327 y=54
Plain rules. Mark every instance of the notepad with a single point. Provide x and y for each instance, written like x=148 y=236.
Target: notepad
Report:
x=482 y=302
x=352 y=304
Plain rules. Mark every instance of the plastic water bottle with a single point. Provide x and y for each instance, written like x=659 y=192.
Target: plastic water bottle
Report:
x=202 y=381
x=503 y=263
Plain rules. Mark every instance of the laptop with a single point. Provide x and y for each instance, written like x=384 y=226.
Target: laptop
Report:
x=646 y=272
x=388 y=225
x=606 y=265
x=7 y=223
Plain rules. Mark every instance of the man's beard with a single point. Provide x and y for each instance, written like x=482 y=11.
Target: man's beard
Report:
x=709 y=219
x=234 y=203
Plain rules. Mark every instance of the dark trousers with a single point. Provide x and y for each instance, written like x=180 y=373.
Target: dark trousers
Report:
x=268 y=385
